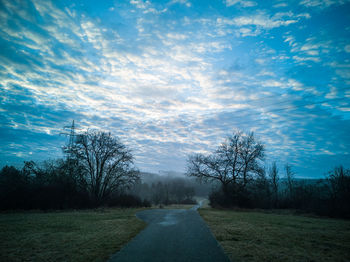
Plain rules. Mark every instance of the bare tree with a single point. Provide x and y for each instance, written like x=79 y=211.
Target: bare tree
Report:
x=107 y=163
x=234 y=162
x=339 y=191
x=251 y=151
x=274 y=178
x=260 y=190
x=289 y=180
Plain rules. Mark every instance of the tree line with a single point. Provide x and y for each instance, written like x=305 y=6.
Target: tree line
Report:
x=167 y=191
x=237 y=165
x=97 y=170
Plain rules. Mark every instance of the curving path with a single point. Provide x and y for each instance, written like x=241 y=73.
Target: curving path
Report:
x=172 y=235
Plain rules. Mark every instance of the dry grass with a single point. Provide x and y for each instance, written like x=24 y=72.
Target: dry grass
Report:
x=90 y=235
x=257 y=236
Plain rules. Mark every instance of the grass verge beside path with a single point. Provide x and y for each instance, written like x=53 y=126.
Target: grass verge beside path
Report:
x=256 y=236
x=89 y=235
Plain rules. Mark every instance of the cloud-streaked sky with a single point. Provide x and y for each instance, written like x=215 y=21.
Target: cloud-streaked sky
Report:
x=171 y=78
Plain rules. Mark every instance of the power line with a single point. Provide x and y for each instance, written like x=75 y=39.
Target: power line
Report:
x=72 y=135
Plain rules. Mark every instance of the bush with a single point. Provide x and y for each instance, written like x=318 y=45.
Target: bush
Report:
x=231 y=196
x=127 y=200
x=15 y=189
x=49 y=187
x=188 y=201
x=326 y=197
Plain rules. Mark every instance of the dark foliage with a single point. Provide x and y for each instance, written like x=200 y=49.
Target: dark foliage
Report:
x=96 y=168
x=339 y=191
x=231 y=196
x=236 y=165
x=166 y=190
x=51 y=187
x=173 y=192
x=15 y=190
x=188 y=201
x=47 y=187
x=127 y=200
x=326 y=197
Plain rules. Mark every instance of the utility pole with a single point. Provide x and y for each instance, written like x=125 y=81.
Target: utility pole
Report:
x=71 y=136
x=68 y=148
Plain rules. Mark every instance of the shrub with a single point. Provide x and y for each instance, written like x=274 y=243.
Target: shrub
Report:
x=127 y=200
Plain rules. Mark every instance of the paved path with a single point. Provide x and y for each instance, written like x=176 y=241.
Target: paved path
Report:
x=172 y=235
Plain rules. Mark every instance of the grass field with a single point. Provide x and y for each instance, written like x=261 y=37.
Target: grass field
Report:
x=66 y=236
x=257 y=236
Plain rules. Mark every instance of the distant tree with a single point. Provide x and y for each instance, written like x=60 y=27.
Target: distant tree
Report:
x=158 y=193
x=107 y=164
x=14 y=188
x=274 y=178
x=290 y=182
x=179 y=191
x=339 y=191
x=53 y=185
x=261 y=191
x=233 y=164
x=189 y=192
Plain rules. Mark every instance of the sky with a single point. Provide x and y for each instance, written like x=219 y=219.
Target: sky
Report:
x=175 y=77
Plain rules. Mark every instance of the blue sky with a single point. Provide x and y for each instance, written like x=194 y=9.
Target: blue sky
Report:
x=171 y=78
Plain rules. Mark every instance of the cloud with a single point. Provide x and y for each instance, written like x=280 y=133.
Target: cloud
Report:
x=322 y=3
x=260 y=20
x=140 y=3
x=183 y=2
x=306 y=59
x=347 y=48
x=242 y=3
x=254 y=24
x=309 y=49
x=333 y=93
x=147 y=7
x=166 y=83
x=278 y=5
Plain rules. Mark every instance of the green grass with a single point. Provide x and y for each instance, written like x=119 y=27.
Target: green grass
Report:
x=256 y=236
x=90 y=235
